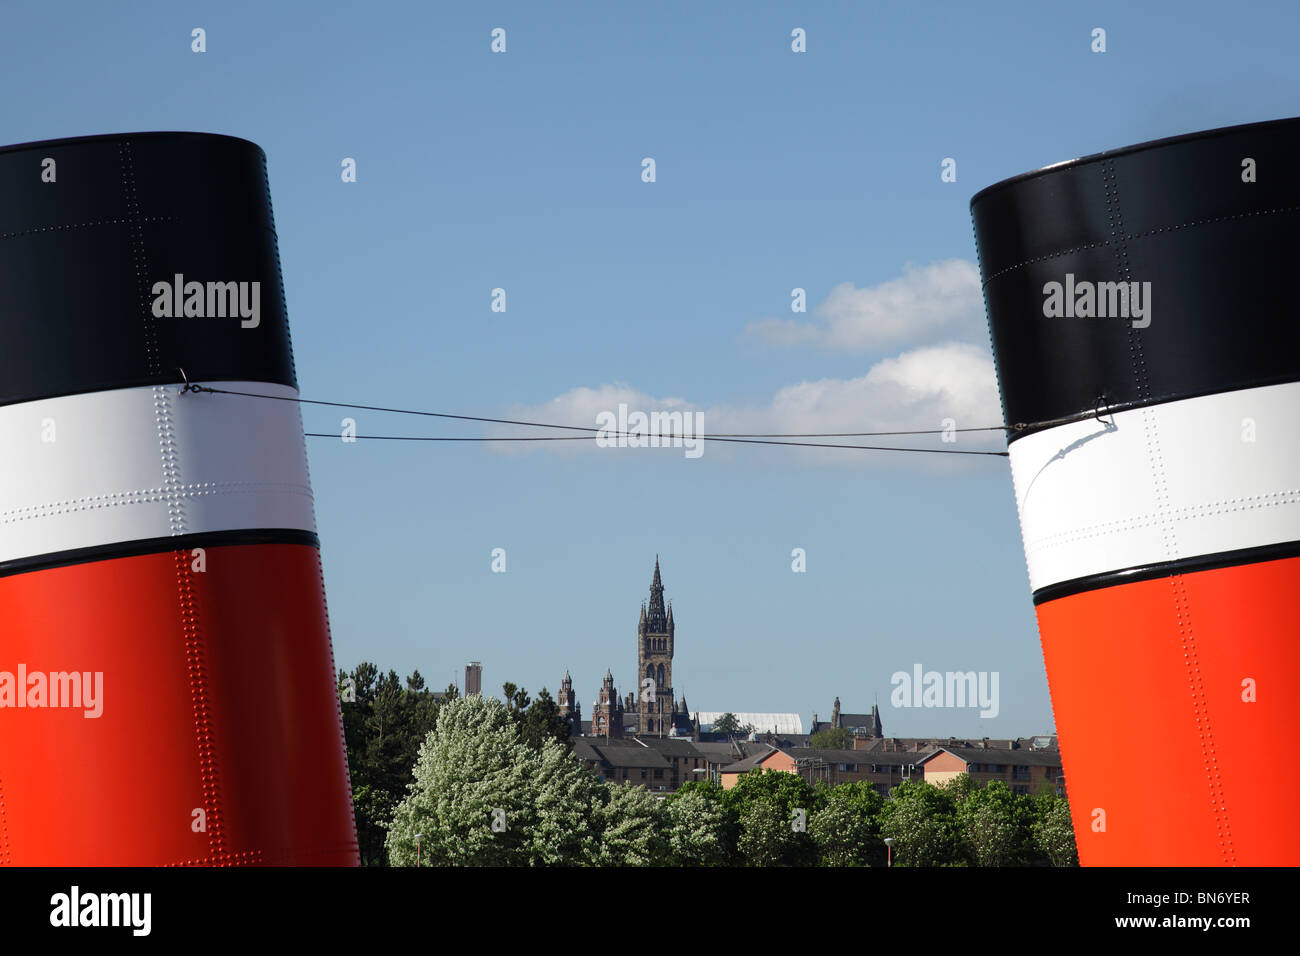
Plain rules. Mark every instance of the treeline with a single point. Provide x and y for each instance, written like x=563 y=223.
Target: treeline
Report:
x=495 y=784
x=385 y=722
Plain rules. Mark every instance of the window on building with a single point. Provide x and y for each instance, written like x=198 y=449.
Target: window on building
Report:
x=1020 y=789
x=659 y=774
x=643 y=774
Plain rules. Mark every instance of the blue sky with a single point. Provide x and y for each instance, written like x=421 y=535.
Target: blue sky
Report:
x=775 y=170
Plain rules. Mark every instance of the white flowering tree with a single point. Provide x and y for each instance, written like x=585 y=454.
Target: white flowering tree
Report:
x=695 y=829
x=994 y=823
x=482 y=797
x=846 y=826
x=1053 y=833
x=631 y=821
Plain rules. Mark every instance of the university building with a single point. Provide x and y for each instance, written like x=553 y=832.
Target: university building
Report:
x=649 y=738
x=652 y=710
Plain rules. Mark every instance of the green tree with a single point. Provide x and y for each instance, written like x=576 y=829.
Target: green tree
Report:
x=766 y=835
x=632 y=823
x=384 y=721
x=481 y=796
x=517 y=700
x=542 y=722
x=696 y=826
x=1053 y=832
x=562 y=826
x=785 y=794
x=373 y=810
x=994 y=825
x=959 y=788
x=729 y=723
x=832 y=738
x=846 y=828
x=923 y=823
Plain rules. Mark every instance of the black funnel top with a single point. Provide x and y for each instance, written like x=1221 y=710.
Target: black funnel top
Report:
x=1213 y=257
x=80 y=257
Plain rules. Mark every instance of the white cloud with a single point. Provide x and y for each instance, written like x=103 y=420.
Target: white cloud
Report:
x=926 y=303
x=916 y=389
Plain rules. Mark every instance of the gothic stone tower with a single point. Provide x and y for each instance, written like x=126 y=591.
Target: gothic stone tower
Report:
x=607 y=714
x=570 y=710
x=654 y=663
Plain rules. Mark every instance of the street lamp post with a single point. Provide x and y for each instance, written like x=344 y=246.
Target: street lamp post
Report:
x=889 y=851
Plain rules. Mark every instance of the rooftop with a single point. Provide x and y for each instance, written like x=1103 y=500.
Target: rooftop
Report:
x=762 y=723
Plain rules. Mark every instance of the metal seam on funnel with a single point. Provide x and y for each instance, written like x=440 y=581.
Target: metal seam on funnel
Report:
x=292 y=856
x=181 y=490
x=137 y=254
x=1168 y=533
x=208 y=781
x=1183 y=613
x=225 y=859
x=1143 y=235
x=1209 y=509
x=192 y=638
x=1201 y=710
x=4 y=828
x=1044 y=258
x=1159 y=476
x=84 y=225
x=338 y=704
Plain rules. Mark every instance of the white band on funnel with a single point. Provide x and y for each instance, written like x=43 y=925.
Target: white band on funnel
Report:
x=103 y=468
x=1169 y=482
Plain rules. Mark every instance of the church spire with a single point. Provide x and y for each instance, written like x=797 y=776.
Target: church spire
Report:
x=658 y=616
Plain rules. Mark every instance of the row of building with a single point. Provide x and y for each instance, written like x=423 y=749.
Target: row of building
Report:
x=650 y=738
x=664 y=764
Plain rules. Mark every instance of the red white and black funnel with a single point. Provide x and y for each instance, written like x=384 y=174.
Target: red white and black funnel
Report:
x=167 y=687
x=1141 y=304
